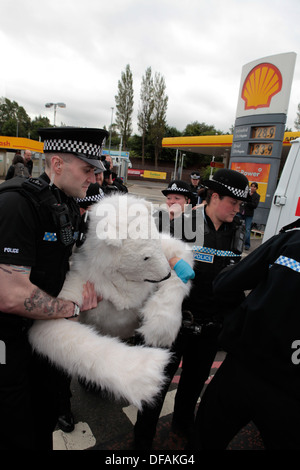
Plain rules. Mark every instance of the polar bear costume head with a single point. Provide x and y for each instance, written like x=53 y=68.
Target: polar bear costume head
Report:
x=122 y=254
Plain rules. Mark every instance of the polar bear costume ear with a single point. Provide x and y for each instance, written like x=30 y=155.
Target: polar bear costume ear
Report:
x=121 y=217
x=105 y=219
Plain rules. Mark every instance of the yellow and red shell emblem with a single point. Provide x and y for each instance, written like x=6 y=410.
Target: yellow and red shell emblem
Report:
x=261 y=84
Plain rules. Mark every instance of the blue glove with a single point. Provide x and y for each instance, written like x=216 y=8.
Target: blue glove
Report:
x=184 y=271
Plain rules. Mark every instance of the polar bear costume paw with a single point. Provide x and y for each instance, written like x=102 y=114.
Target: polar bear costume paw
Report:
x=134 y=373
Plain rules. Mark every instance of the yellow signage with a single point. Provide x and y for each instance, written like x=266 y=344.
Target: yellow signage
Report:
x=160 y=175
x=261 y=84
x=266 y=85
x=20 y=143
x=255 y=172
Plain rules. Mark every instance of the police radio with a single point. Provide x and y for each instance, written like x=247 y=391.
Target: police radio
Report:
x=60 y=212
x=62 y=219
x=239 y=236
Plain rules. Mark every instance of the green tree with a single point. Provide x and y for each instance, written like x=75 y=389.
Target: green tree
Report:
x=38 y=123
x=146 y=107
x=297 y=120
x=124 y=105
x=158 y=121
x=14 y=121
x=197 y=128
x=135 y=145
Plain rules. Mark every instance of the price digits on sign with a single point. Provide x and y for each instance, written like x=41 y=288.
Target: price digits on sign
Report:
x=263 y=132
x=261 y=149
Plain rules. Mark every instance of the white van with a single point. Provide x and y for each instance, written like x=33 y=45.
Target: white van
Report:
x=286 y=202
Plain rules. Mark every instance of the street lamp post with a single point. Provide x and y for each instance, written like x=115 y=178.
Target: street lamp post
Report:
x=112 y=112
x=60 y=105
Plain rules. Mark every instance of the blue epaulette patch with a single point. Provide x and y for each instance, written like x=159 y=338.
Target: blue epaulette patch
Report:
x=50 y=237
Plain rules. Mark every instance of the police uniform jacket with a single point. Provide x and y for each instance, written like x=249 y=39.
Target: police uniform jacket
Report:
x=263 y=330
x=197 y=198
x=210 y=259
x=30 y=237
x=30 y=385
x=215 y=254
x=252 y=204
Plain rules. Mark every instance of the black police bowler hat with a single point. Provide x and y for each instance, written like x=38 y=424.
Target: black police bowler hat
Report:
x=94 y=194
x=195 y=175
x=229 y=183
x=84 y=143
x=178 y=187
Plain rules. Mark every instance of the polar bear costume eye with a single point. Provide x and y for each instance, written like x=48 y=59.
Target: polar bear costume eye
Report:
x=146 y=257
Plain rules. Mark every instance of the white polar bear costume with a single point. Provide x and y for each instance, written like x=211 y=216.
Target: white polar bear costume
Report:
x=127 y=260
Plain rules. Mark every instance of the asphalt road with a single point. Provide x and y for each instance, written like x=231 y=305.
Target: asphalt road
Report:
x=148 y=190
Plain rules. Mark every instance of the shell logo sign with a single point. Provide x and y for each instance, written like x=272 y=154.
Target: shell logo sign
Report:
x=261 y=84
x=265 y=85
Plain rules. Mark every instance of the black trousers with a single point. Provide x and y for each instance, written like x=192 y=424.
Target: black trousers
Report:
x=16 y=430
x=29 y=388
x=197 y=353
x=237 y=396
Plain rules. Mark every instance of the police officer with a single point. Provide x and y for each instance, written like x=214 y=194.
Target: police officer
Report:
x=38 y=226
x=196 y=344
x=259 y=379
x=197 y=188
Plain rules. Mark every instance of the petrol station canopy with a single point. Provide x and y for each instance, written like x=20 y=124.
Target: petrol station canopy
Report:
x=216 y=145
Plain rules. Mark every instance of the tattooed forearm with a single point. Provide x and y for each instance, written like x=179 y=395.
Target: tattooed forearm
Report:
x=10 y=269
x=20 y=269
x=6 y=270
x=43 y=303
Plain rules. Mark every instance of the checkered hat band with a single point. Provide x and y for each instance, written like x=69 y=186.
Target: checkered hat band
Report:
x=95 y=198
x=235 y=191
x=72 y=146
x=174 y=187
x=212 y=251
x=288 y=263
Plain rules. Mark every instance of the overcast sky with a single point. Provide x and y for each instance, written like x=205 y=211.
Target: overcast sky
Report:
x=74 y=51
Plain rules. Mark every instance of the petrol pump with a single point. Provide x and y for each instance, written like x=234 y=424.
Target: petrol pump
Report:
x=260 y=125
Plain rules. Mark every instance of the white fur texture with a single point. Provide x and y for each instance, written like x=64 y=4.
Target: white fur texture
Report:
x=132 y=373
x=122 y=253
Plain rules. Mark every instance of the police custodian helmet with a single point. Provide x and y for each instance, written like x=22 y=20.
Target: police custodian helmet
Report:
x=178 y=187
x=84 y=143
x=230 y=183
